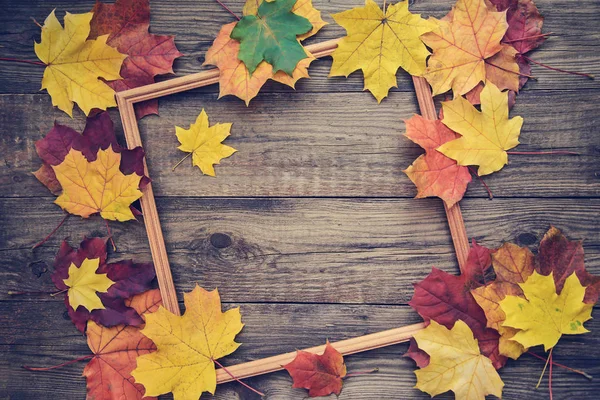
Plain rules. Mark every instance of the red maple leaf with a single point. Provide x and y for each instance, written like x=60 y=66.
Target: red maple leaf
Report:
x=563 y=257
x=320 y=374
x=130 y=279
x=99 y=133
x=446 y=298
x=433 y=173
x=127 y=22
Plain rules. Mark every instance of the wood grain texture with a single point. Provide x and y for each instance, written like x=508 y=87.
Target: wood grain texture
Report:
x=312 y=144
x=310 y=227
x=298 y=250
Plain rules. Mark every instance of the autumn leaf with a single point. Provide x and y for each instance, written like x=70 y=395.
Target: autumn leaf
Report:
x=129 y=279
x=486 y=134
x=108 y=374
x=512 y=265
x=562 y=257
x=187 y=346
x=235 y=79
x=446 y=298
x=75 y=65
x=379 y=43
x=320 y=374
x=96 y=187
x=467 y=50
x=455 y=364
x=525 y=23
x=543 y=316
x=303 y=8
x=204 y=143
x=84 y=283
x=127 y=23
x=272 y=35
x=433 y=173
x=99 y=133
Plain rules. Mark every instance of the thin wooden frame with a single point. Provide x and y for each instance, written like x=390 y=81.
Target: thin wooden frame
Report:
x=126 y=101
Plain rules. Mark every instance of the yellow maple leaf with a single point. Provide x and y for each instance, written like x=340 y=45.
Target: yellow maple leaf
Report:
x=543 y=316
x=75 y=64
x=204 y=143
x=303 y=8
x=96 y=187
x=467 y=50
x=235 y=79
x=84 y=283
x=187 y=346
x=455 y=363
x=486 y=135
x=379 y=43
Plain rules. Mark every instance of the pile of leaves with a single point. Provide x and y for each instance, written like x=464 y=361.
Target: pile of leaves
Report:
x=97 y=53
x=504 y=302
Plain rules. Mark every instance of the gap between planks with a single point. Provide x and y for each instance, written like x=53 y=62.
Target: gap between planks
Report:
x=126 y=101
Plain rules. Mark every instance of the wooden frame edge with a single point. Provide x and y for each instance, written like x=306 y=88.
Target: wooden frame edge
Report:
x=126 y=101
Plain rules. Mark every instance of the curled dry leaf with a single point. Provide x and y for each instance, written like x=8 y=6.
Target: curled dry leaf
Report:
x=321 y=374
x=129 y=279
x=379 y=42
x=204 y=143
x=433 y=173
x=187 y=346
x=543 y=316
x=467 y=50
x=486 y=135
x=456 y=364
x=108 y=374
x=127 y=23
x=74 y=65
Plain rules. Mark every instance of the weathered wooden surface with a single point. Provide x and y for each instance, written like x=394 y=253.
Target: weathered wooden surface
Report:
x=310 y=227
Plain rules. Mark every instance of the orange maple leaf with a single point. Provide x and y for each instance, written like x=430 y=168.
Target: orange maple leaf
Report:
x=115 y=349
x=467 y=50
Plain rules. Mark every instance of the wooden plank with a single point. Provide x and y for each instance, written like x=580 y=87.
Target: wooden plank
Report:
x=195 y=23
x=346 y=148
x=296 y=250
x=271 y=329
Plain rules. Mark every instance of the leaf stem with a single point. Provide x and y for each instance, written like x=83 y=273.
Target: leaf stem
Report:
x=589 y=76
x=22 y=61
x=182 y=160
x=228 y=9
x=512 y=72
x=490 y=194
x=535 y=153
x=60 y=365
x=544 y=370
x=528 y=38
x=57 y=293
x=240 y=382
x=51 y=233
x=357 y=373
x=110 y=235
x=588 y=376
x=35 y=22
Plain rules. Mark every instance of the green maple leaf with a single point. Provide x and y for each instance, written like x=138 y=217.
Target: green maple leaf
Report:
x=270 y=35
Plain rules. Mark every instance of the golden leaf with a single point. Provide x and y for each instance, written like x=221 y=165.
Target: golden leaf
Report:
x=96 y=187
x=187 y=346
x=75 y=64
x=379 y=43
x=486 y=134
x=204 y=143
x=455 y=363
x=543 y=316
x=84 y=283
